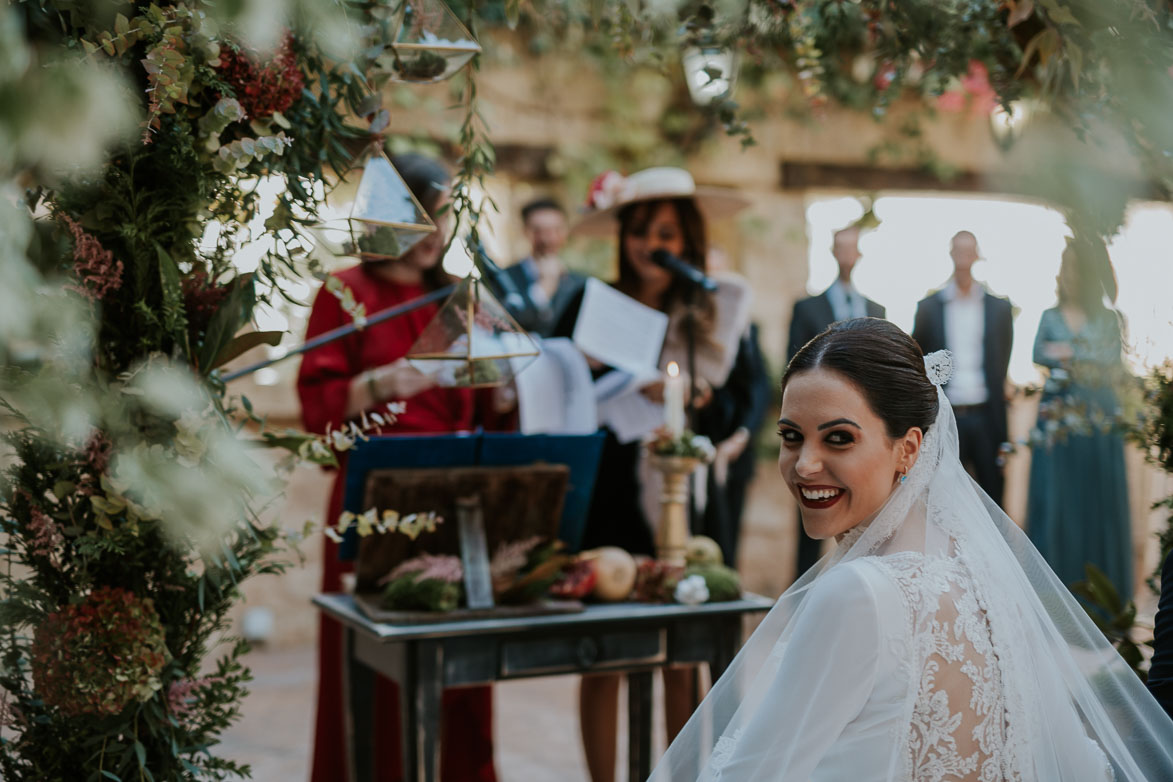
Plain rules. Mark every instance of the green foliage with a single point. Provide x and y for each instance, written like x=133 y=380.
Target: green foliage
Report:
x=723 y=582
x=127 y=473
x=412 y=593
x=1115 y=617
x=1153 y=432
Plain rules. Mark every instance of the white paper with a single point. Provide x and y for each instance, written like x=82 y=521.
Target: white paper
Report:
x=630 y=415
x=555 y=394
x=618 y=331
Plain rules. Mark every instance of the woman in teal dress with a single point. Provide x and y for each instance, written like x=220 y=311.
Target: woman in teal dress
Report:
x=1078 y=507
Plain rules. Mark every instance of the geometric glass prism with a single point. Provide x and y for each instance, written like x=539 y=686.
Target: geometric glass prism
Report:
x=472 y=342
x=385 y=219
x=430 y=44
x=709 y=72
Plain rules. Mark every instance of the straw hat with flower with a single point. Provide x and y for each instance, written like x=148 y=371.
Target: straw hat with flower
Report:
x=611 y=191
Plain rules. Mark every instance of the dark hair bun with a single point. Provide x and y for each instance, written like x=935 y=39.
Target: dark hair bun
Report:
x=883 y=362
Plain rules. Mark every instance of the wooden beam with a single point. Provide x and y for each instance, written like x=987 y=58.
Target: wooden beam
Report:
x=865 y=178
x=530 y=163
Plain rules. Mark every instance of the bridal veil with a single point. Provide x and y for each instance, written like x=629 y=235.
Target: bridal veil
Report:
x=934 y=643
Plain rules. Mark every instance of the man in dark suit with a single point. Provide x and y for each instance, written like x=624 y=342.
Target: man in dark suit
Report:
x=542 y=279
x=978 y=328
x=812 y=316
x=841 y=301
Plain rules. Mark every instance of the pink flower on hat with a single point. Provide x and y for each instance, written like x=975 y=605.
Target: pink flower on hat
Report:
x=605 y=190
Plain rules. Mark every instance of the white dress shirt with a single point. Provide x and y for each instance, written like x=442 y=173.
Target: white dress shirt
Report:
x=846 y=302
x=965 y=331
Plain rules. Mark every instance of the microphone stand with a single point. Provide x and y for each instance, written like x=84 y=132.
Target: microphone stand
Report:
x=336 y=334
x=690 y=408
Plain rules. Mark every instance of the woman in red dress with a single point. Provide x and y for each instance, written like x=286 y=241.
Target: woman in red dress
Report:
x=336 y=383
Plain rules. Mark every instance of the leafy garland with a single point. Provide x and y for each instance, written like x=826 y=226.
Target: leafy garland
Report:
x=132 y=510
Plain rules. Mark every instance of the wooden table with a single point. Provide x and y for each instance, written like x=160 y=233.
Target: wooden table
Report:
x=629 y=638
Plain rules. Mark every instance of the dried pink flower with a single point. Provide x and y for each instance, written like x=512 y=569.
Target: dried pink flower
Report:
x=46 y=536
x=181 y=694
x=509 y=559
x=10 y=713
x=98 y=274
x=443 y=567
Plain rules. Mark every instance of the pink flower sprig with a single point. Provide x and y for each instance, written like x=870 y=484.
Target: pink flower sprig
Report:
x=181 y=694
x=10 y=713
x=509 y=559
x=442 y=567
x=47 y=538
x=98 y=274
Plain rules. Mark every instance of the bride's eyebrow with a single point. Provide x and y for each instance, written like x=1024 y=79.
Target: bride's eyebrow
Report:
x=788 y=422
x=839 y=422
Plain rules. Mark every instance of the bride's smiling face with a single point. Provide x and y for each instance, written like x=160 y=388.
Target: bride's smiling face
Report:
x=837 y=457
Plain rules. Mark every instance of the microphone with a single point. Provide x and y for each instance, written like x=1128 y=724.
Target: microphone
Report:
x=687 y=271
x=499 y=283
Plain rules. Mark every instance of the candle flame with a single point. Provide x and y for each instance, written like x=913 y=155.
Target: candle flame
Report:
x=673 y=369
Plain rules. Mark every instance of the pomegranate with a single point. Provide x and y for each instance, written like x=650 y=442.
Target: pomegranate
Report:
x=615 y=570
x=577 y=581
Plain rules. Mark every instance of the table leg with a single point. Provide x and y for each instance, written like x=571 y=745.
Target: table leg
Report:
x=728 y=644
x=420 y=698
x=359 y=695
x=639 y=725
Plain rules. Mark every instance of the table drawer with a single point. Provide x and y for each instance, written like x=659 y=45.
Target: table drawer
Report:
x=573 y=653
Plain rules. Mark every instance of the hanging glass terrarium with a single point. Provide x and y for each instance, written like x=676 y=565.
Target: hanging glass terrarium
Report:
x=472 y=342
x=383 y=219
x=429 y=43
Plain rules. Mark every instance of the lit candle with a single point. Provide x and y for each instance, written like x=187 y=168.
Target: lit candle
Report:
x=674 y=400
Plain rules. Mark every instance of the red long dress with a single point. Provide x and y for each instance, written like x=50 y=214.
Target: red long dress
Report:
x=323 y=385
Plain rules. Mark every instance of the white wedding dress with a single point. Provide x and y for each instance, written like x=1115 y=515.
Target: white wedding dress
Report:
x=933 y=645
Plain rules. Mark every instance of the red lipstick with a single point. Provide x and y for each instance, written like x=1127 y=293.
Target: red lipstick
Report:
x=821 y=503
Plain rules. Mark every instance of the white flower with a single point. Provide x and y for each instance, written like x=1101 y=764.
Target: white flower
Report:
x=691 y=591
x=704 y=446
x=340 y=440
x=606 y=190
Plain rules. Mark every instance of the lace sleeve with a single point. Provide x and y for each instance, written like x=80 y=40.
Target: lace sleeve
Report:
x=825 y=673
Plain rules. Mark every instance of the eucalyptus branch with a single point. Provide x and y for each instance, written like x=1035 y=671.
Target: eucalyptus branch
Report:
x=477 y=158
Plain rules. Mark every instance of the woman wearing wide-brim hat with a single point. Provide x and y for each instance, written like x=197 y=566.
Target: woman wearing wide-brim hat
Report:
x=653 y=209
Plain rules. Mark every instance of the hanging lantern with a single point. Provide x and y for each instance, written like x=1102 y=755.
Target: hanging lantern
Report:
x=429 y=44
x=1006 y=126
x=383 y=221
x=472 y=342
x=709 y=71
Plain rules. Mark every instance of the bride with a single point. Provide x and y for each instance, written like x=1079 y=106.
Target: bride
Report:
x=933 y=644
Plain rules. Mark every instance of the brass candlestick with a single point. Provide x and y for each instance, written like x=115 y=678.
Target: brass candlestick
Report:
x=672 y=536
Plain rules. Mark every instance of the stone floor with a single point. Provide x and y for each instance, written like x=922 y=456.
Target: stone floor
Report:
x=274 y=733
